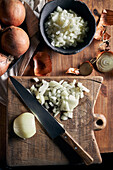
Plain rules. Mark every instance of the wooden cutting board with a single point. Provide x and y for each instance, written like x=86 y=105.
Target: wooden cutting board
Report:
x=40 y=149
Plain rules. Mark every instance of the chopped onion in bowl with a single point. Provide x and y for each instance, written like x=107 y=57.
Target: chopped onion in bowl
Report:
x=65 y=28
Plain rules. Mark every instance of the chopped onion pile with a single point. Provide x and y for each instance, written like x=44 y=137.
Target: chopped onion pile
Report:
x=59 y=97
x=65 y=28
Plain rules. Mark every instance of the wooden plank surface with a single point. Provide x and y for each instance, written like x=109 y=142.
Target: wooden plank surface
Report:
x=61 y=63
x=40 y=149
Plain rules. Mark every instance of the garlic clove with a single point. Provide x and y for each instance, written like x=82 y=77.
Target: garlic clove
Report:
x=24 y=125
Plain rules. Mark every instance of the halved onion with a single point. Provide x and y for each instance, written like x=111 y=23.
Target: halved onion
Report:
x=104 y=62
x=24 y=125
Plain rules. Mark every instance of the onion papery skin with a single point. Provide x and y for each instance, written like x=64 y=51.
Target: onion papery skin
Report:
x=15 y=41
x=104 y=61
x=12 y=12
x=4 y=63
x=42 y=64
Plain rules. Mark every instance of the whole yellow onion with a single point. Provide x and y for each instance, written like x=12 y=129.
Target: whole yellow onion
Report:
x=12 y=12
x=14 y=41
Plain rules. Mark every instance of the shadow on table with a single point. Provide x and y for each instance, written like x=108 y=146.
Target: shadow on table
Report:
x=106 y=157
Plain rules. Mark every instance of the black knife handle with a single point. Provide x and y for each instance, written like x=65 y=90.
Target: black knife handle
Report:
x=77 y=148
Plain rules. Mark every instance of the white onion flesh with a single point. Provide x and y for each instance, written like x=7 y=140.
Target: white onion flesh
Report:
x=24 y=125
x=65 y=28
x=59 y=97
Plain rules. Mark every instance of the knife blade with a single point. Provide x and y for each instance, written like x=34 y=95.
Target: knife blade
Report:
x=52 y=127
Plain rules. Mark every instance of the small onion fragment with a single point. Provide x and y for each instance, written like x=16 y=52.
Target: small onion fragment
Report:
x=24 y=125
x=73 y=71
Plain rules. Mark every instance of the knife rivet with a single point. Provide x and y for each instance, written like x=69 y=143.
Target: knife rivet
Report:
x=65 y=137
x=75 y=148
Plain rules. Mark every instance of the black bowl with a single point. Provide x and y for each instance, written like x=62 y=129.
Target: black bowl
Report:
x=78 y=7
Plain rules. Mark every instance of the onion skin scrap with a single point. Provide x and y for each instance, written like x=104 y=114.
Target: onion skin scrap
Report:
x=106 y=19
x=4 y=63
x=12 y=12
x=73 y=71
x=42 y=64
x=14 y=41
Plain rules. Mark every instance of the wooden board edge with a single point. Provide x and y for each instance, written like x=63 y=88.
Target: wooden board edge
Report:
x=94 y=78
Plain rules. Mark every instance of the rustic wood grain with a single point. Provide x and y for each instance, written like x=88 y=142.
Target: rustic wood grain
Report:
x=40 y=149
x=61 y=63
x=104 y=104
x=2 y=134
x=88 y=159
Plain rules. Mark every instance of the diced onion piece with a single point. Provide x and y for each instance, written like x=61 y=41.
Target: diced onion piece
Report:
x=33 y=89
x=64 y=106
x=44 y=87
x=73 y=102
x=69 y=114
x=83 y=87
x=36 y=79
x=41 y=99
x=63 y=117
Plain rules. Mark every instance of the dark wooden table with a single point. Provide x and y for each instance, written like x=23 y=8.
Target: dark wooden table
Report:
x=60 y=64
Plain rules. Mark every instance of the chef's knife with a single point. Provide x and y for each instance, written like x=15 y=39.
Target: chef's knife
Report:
x=52 y=127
